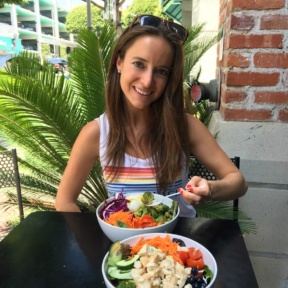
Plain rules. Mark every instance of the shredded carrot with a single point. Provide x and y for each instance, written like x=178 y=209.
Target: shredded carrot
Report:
x=125 y=217
x=164 y=244
x=131 y=220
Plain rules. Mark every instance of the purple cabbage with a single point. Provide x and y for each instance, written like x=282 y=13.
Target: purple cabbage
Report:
x=117 y=204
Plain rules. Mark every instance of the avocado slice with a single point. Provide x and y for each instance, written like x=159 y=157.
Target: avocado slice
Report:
x=115 y=254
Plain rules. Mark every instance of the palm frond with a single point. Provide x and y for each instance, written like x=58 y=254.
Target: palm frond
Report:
x=224 y=210
x=40 y=109
x=196 y=46
x=88 y=70
x=42 y=114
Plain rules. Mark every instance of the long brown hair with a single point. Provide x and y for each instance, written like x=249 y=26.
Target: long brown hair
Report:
x=167 y=134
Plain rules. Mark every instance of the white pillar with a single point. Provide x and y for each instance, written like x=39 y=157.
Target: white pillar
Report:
x=38 y=27
x=13 y=14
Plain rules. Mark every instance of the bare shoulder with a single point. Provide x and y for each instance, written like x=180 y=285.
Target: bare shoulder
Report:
x=88 y=138
x=91 y=129
x=197 y=129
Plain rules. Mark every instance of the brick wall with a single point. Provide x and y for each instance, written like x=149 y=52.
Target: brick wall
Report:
x=254 y=60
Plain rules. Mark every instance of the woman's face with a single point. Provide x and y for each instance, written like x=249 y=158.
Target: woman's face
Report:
x=145 y=70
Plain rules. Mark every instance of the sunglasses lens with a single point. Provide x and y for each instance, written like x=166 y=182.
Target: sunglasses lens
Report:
x=179 y=30
x=150 y=21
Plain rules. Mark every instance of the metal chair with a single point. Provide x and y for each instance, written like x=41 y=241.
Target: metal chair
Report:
x=197 y=169
x=9 y=175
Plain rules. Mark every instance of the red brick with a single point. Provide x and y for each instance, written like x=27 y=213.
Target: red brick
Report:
x=277 y=22
x=236 y=60
x=246 y=115
x=256 y=41
x=283 y=115
x=223 y=4
x=221 y=20
x=222 y=16
x=229 y=7
x=251 y=79
x=229 y=96
x=242 y=22
x=271 y=60
x=258 y=4
x=226 y=44
x=275 y=97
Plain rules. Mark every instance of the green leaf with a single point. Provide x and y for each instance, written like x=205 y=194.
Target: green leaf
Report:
x=121 y=224
x=208 y=273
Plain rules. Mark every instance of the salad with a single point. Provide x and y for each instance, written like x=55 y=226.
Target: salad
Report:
x=157 y=262
x=131 y=212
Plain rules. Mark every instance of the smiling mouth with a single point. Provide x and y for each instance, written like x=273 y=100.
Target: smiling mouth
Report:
x=143 y=92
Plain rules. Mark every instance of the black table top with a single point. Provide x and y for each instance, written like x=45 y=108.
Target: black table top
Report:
x=53 y=249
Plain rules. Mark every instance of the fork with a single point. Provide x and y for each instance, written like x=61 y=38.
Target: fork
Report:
x=155 y=203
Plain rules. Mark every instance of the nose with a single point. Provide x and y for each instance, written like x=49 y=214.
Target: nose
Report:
x=147 y=78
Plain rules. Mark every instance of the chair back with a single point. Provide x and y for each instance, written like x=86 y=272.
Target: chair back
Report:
x=198 y=169
x=9 y=175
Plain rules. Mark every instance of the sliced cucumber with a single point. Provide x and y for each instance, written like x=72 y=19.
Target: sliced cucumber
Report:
x=117 y=274
x=111 y=268
x=124 y=271
x=127 y=263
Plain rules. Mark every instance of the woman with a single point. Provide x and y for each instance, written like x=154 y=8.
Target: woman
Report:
x=144 y=138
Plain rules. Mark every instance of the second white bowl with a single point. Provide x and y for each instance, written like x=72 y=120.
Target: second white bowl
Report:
x=208 y=258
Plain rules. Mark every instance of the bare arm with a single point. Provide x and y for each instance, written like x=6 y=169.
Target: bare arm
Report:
x=83 y=155
x=231 y=183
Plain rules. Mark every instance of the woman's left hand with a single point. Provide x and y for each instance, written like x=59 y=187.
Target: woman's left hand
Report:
x=197 y=191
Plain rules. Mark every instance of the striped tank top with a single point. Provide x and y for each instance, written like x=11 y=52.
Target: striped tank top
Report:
x=138 y=175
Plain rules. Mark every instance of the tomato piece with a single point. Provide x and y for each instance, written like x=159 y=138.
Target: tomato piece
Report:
x=147 y=221
x=148 y=224
x=147 y=218
x=195 y=253
x=136 y=223
x=183 y=255
x=199 y=264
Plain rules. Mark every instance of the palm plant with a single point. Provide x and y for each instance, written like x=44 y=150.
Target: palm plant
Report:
x=41 y=114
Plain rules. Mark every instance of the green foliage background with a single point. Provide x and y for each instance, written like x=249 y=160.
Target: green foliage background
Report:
x=146 y=7
x=77 y=19
x=17 y=2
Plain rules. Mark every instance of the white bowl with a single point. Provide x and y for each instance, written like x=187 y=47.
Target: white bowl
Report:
x=117 y=233
x=208 y=258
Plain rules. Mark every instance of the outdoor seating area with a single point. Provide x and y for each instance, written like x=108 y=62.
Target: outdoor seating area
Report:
x=92 y=118
x=9 y=176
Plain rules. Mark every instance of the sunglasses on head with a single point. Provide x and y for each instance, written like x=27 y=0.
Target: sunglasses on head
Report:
x=151 y=20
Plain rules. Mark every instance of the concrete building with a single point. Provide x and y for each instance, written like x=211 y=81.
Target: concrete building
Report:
x=33 y=24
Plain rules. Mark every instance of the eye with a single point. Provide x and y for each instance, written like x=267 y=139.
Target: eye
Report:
x=138 y=64
x=162 y=72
